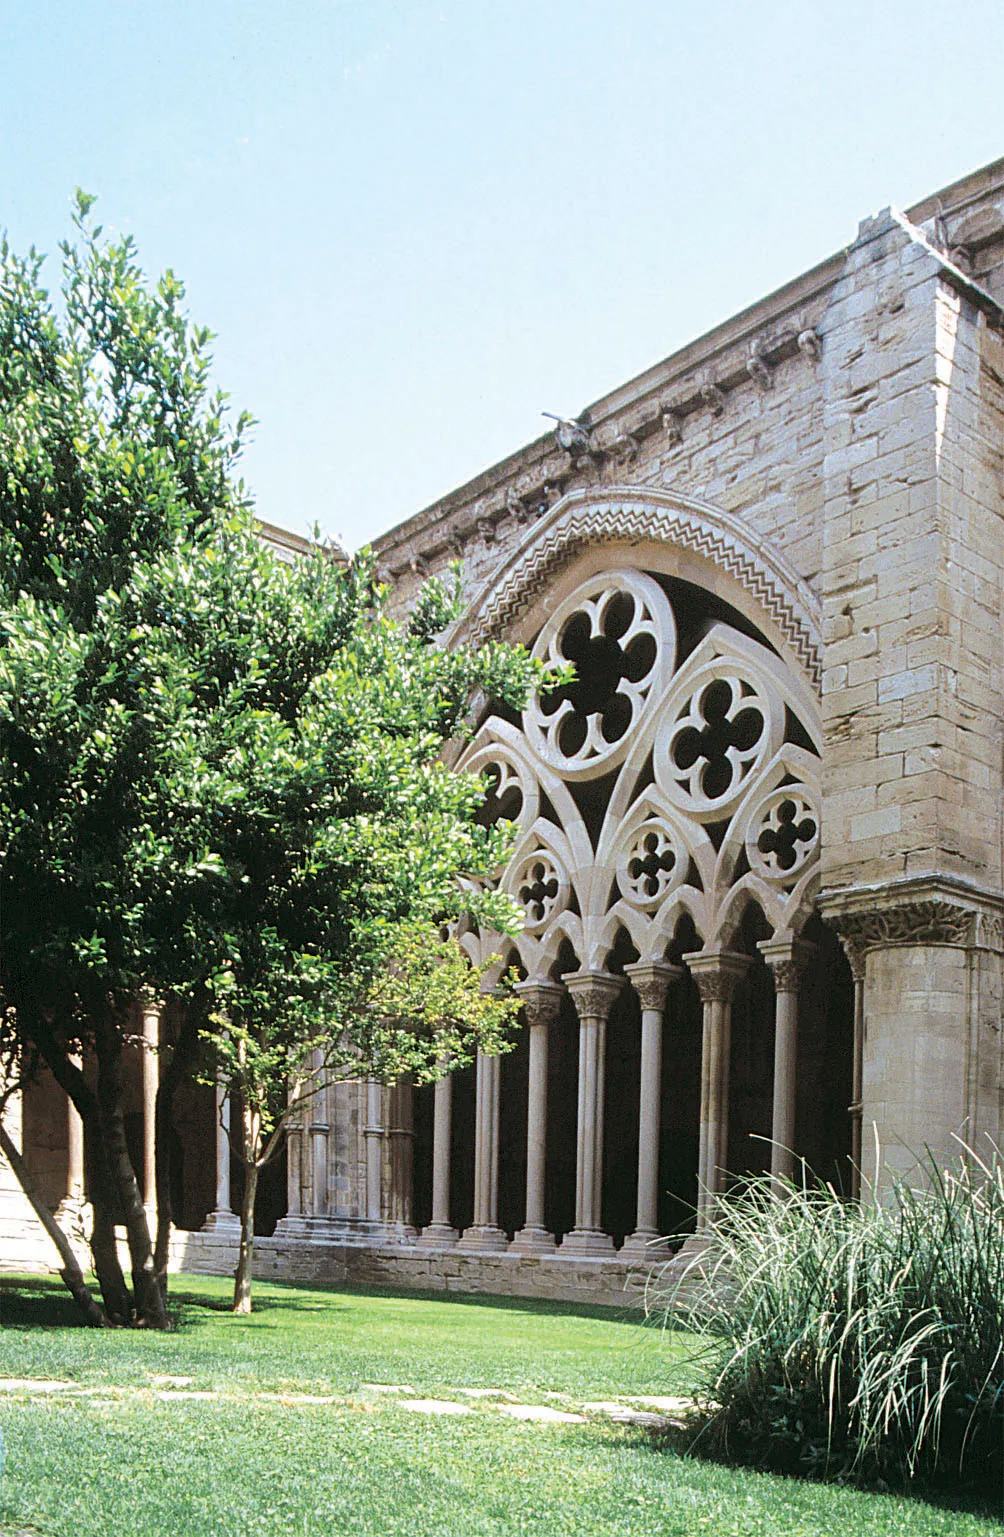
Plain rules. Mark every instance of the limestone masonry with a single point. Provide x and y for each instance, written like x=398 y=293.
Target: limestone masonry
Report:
x=760 y=837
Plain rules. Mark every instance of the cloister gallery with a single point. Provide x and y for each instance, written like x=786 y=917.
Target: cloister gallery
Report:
x=760 y=834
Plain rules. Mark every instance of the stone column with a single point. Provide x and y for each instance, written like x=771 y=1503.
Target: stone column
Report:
x=787 y=959
x=484 y=1232
x=856 y=957
x=401 y=1141
x=717 y=975
x=651 y=981
x=223 y=1217
x=440 y=1231
x=70 y=1207
x=151 y=1077
x=542 y=1004
x=373 y=1134
x=319 y=1167
x=593 y=993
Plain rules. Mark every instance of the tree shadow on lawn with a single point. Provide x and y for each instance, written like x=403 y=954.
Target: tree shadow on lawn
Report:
x=42 y=1302
x=685 y=1442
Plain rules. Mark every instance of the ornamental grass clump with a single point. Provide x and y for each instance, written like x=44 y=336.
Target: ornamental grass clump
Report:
x=858 y=1341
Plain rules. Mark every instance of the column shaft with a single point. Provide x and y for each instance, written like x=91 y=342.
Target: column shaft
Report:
x=74 y=1149
x=651 y=981
x=439 y=1230
x=786 y=958
x=151 y=1077
x=593 y=993
x=542 y=1004
x=484 y=1232
x=373 y=1136
x=222 y=1146
x=717 y=974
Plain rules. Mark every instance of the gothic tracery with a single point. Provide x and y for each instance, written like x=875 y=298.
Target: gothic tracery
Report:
x=707 y=797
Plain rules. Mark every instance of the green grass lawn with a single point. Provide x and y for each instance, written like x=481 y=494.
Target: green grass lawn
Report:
x=125 y=1451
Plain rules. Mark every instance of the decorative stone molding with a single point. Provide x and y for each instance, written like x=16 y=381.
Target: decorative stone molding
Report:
x=909 y=923
x=584 y=518
x=593 y=992
x=651 y=981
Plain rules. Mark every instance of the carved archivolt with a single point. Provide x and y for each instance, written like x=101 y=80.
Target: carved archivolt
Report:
x=650 y=787
x=631 y=514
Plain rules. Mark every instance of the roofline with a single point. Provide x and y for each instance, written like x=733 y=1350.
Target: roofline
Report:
x=702 y=351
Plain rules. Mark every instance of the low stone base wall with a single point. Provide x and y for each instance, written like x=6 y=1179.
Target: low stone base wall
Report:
x=607 y=1280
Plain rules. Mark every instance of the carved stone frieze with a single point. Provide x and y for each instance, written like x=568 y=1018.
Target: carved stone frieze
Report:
x=921 y=922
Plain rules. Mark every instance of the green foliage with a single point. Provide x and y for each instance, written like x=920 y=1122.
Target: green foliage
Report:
x=221 y=775
x=217 y=770
x=861 y=1341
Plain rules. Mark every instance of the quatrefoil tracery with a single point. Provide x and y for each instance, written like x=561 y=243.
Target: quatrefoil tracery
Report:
x=784 y=835
x=540 y=887
x=618 y=632
x=651 y=866
x=720 y=736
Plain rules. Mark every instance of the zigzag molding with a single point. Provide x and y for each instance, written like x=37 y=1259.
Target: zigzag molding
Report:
x=628 y=514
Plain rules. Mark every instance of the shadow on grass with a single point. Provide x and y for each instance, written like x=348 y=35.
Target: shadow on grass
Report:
x=42 y=1302
x=687 y=1442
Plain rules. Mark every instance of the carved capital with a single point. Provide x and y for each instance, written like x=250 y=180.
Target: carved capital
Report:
x=787 y=959
x=855 y=954
x=921 y=922
x=541 y=1002
x=717 y=974
x=651 y=981
x=593 y=992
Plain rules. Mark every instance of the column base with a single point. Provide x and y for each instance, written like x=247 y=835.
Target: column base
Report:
x=226 y=1222
x=587 y=1240
x=642 y=1244
x=438 y=1235
x=533 y=1240
x=478 y=1238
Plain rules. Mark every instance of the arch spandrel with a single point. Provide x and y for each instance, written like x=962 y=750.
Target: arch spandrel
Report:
x=661 y=781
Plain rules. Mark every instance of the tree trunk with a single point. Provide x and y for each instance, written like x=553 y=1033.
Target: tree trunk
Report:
x=182 y=1059
x=100 y=1188
x=108 y=1046
x=245 y=1256
x=71 y=1272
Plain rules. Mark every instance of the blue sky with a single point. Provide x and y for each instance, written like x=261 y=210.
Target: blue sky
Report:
x=416 y=226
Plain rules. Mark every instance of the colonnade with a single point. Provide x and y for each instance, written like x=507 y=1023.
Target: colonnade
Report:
x=593 y=993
